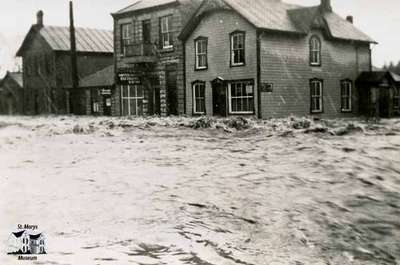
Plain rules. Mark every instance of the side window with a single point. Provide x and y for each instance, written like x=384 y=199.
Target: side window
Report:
x=396 y=99
x=201 y=53
x=345 y=95
x=315 y=51
x=237 y=48
x=199 y=98
x=316 y=96
x=166 y=36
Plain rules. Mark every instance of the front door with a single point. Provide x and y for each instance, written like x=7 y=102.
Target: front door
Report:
x=219 y=99
x=172 y=93
x=107 y=105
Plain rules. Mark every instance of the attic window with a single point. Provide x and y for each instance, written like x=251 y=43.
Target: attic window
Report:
x=315 y=51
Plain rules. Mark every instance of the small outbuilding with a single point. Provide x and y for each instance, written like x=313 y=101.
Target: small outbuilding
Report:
x=100 y=92
x=379 y=94
x=11 y=94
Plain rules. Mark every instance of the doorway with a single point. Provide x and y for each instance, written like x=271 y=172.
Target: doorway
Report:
x=172 y=93
x=219 y=98
x=107 y=105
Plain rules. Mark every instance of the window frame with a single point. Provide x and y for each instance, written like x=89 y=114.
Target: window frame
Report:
x=168 y=32
x=321 y=96
x=229 y=86
x=194 y=98
x=126 y=40
x=349 y=97
x=197 y=55
x=232 y=50
x=317 y=51
x=130 y=98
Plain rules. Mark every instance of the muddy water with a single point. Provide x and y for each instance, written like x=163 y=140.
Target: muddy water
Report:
x=180 y=196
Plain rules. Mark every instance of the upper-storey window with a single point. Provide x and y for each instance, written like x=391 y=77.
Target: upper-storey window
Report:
x=237 y=48
x=166 y=32
x=345 y=94
x=126 y=37
x=201 y=53
x=315 y=51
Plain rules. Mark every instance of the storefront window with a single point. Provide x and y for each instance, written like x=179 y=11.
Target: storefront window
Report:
x=132 y=100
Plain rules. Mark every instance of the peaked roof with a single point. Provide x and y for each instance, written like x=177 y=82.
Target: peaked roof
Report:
x=34 y=237
x=18 y=234
x=58 y=38
x=104 y=77
x=276 y=15
x=15 y=76
x=144 y=4
x=376 y=77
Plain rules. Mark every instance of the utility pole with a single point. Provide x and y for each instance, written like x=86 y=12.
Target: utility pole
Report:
x=74 y=63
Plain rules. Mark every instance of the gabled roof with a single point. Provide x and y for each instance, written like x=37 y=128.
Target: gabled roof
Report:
x=15 y=76
x=377 y=77
x=102 y=78
x=144 y=4
x=58 y=38
x=34 y=237
x=276 y=15
x=18 y=234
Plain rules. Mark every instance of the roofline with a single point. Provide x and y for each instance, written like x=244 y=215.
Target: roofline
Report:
x=117 y=14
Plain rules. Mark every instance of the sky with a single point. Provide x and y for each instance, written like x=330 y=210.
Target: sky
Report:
x=379 y=19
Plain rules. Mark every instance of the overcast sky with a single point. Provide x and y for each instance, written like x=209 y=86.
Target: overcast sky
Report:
x=379 y=19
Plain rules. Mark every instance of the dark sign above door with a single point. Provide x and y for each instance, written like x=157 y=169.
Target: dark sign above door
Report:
x=129 y=79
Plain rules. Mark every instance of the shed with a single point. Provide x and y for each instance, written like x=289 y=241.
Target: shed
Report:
x=11 y=94
x=379 y=93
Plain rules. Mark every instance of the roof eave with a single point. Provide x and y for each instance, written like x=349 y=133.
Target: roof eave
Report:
x=121 y=13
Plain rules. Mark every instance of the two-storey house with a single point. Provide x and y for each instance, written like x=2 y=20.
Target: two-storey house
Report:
x=268 y=58
x=46 y=60
x=149 y=64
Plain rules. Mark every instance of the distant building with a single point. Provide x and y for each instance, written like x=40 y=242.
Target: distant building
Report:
x=45 y=54
x=267 y=58
x=149 y=56
x=11 y=94
x=379 y=94
x=99 y=88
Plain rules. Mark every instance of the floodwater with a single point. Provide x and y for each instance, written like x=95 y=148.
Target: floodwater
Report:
x=174 y=195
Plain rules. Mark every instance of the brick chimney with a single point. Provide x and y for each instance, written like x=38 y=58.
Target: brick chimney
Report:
x=39 y=18
x=350 y=19
x=326 y=6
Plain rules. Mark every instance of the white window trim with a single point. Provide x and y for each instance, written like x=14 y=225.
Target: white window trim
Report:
x=232 y=50
x=321 y=95
x=315 y=50
x=201 y=54
x=349 y=96
x=129 y=98
x=126 y=29
x=230 y=99
x=166 y=31
x=194 y=97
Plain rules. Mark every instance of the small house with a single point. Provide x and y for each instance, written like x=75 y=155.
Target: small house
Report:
x=11 y=94
x=46 y=60
x=100 y=93
x=379 y=94
x=19 y=243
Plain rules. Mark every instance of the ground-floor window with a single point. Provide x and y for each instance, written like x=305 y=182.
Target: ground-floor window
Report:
x=199 y=98
x=396 y=99
x=96 y=107
x=241 y=97
x=132 y=100
x=345 y=88
x=316 y=96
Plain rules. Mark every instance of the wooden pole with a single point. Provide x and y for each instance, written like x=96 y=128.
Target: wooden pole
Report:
x=74 y=63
